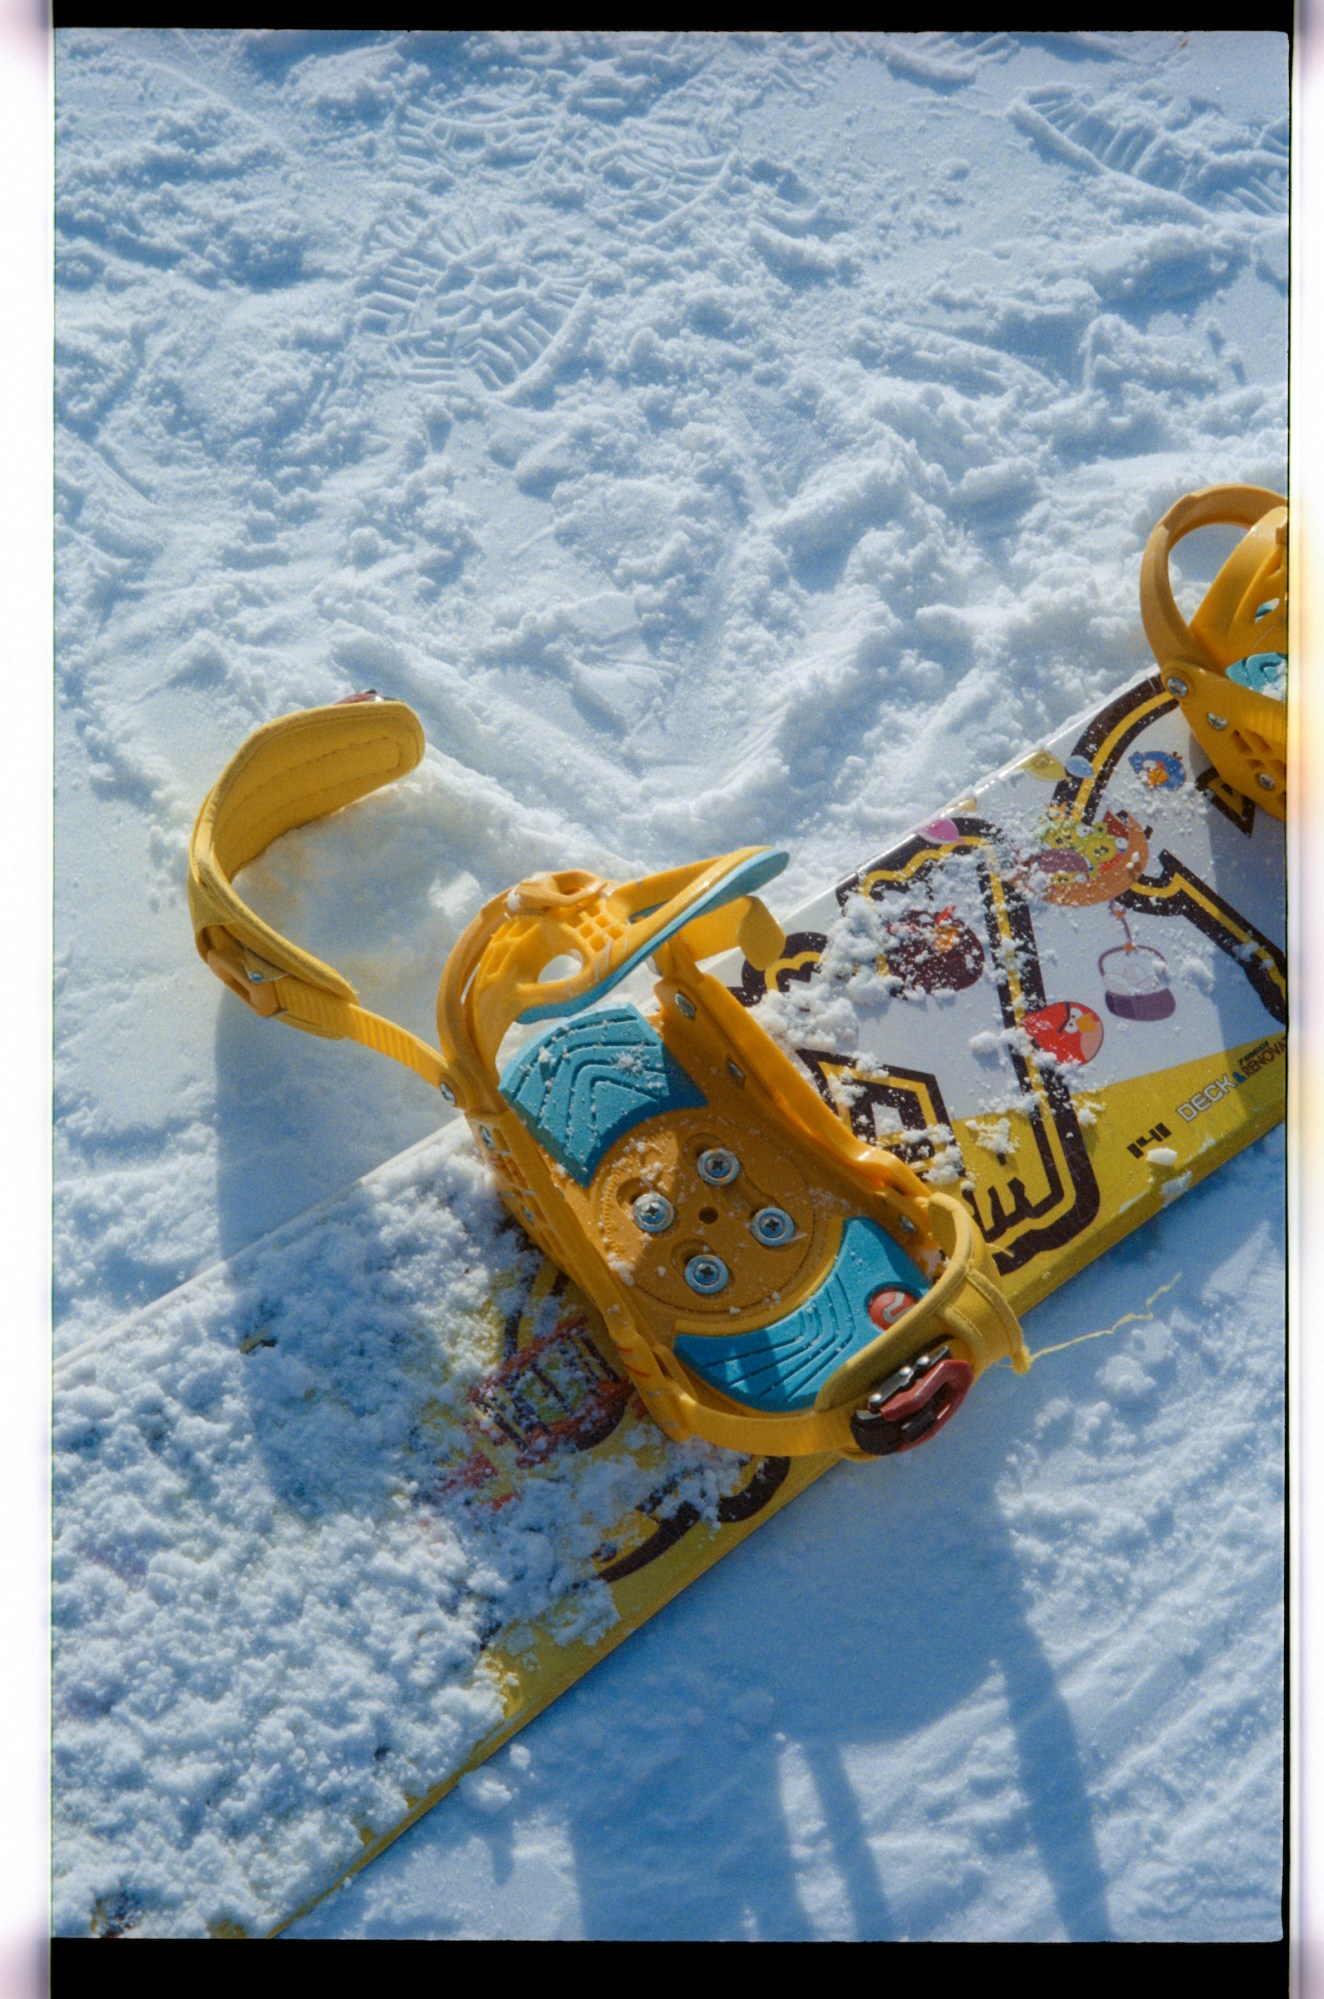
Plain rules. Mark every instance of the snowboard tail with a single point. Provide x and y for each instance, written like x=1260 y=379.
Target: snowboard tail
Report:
x=395 y=1491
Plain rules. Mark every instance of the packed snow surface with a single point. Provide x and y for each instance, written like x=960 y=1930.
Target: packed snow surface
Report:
x=716 y=440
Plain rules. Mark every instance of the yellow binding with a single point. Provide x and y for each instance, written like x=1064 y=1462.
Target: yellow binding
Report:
x=771 y=1282
x=1209 y=664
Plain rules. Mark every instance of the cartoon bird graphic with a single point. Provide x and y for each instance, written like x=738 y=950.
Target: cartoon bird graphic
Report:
x=1069 y=1031
x=1159 y=770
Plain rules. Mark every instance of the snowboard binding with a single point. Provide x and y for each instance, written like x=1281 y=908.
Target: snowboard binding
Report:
x=1228 y=667
x=771 y=1282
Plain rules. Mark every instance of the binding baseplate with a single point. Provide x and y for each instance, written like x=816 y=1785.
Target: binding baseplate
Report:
x=1228 y=667
x=772 y=1282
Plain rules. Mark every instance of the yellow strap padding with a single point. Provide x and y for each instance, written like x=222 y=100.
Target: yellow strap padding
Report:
x=290 y=772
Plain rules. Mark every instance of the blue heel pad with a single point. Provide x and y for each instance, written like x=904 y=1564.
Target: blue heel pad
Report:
x=782 y=1366
x=579 y=1087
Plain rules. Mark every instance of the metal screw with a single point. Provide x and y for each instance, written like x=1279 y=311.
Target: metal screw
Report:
x=486 y=1136
x=773 y=1227
x=1216 y=721
x=707 y=1273
x=907 y=1227
x=447 y=1093
x=1176 y=685
x=1264 y=781
x=685 y=1006
x=734 y=1071
x=718 y=1166
x=653 y=1213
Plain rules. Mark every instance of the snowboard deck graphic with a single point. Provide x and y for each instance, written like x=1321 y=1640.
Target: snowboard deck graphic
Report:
x=340 y=1515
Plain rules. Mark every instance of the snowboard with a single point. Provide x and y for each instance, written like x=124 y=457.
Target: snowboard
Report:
x=340 y=1515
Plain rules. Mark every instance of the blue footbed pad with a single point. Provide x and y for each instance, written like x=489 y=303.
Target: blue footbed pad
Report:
x=579 y=1087
x=1262 y=672
x=782 y=1366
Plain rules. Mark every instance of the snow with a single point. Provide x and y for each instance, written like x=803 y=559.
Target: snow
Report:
x=717 y=440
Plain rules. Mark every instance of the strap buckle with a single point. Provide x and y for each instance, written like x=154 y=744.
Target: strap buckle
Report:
x=912 y=1404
